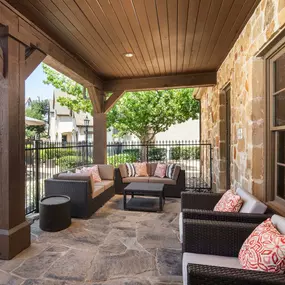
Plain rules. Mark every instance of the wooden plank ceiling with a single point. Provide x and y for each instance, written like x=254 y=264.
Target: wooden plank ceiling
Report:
x=167 y=37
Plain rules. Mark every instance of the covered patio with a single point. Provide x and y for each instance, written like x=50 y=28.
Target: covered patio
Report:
x=226 y=49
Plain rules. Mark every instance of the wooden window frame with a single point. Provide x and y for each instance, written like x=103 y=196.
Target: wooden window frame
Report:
x=271 y=130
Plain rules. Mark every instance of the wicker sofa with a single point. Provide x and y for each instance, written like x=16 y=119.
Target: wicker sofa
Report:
x=210 y=251
x=86 y=196
x=173 y=187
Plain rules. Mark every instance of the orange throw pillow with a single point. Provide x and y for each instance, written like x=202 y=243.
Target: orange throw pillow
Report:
x=230 y=202
x=141 y=169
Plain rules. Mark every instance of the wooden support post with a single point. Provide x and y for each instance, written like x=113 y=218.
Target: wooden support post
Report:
x=99 y=138
x=14 y=229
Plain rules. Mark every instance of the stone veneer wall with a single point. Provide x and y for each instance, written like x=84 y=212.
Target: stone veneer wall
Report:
x=247 y=103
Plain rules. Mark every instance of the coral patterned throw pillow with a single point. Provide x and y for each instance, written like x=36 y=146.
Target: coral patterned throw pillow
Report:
x=264 y=249
x=230 y=202
x=141 y=169
x=94 y=172
x=160 y=170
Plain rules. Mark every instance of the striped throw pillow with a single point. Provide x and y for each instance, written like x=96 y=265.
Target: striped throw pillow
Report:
x=170 y=170
x=131 y=169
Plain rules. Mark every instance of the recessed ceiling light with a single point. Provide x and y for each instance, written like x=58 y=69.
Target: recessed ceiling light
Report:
x=128 y=54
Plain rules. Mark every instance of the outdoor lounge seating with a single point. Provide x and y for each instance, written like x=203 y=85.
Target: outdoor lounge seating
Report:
x=173 y=187
x=86 y=196
x=201 y=205
x=210 y=253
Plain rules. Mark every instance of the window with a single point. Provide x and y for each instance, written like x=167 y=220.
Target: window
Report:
x=277 y=124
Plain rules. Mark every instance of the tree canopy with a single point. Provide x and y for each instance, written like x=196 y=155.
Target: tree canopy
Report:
x=143 y=114
x=37 y=110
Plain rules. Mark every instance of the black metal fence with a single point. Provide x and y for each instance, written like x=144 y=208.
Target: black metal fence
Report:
x=44 y=159
x=193 y=156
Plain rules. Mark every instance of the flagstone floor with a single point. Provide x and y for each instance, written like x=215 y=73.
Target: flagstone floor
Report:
x=113 y=247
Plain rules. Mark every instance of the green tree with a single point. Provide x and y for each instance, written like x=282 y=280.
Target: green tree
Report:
x=37 y=110
x=143 y=114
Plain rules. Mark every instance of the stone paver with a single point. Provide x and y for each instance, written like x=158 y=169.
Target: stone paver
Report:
x=113 y=247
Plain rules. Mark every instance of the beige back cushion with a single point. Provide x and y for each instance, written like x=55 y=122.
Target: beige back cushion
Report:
x=151 y=168
x=279 y=223
x=251 y=205
x=123 y=170
x=106 y=171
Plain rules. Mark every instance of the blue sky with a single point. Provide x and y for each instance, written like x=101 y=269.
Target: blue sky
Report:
x=35 y=87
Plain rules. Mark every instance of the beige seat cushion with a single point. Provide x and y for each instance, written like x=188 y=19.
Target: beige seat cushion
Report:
x=206 y=259
x=279 y=223
x=123 y=170
x=135 y=179
x=166 y=181
x=105 y=183
x=106 y=171
x=98 y=189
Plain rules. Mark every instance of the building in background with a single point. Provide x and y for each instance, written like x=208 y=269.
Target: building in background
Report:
x=68 y=126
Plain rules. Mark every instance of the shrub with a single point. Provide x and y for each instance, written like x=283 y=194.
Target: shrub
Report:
x=69 y=162
x=156 y=154
x=134 y=152
x=175 y=152
x=183 y=152
x=53 y=153
x=118 y=159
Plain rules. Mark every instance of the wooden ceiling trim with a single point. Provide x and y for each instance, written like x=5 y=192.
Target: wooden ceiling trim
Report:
x=72 y=23
x=222 y=17
x=209 y=27
x=114 y=36
x=240 y=23
x=117 y=50
x=25 y=31
x=37 y=13
x=140 y=12
x=203 y=17
x=172 y=11
x=110 y=14
x=134 y=24
x=183 y=12
x=41 y=6
x=97 y=38
x=150 y=7
x=162 y=15
x=139 y=53
x=191 y=25
x=219 y=51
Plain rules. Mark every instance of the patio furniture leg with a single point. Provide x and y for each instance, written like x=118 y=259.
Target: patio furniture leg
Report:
x=125 y=200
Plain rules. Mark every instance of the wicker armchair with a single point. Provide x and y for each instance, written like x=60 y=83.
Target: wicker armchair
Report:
x=200 y=206
x=219 y=239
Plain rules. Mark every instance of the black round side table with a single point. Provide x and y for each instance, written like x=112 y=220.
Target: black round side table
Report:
x=55 y=213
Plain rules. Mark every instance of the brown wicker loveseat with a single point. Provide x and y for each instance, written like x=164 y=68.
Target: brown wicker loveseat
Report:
x=173 y=187
x=86 y=196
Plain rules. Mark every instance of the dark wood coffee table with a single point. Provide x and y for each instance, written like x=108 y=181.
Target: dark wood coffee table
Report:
x=151 y=197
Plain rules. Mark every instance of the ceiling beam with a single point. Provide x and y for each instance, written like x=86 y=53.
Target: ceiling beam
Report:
x=34 y=58
x=162 y=82
x=28 y=33
x=112 y=100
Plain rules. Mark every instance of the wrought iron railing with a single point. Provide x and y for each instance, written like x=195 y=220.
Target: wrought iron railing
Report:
x=44 y=159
